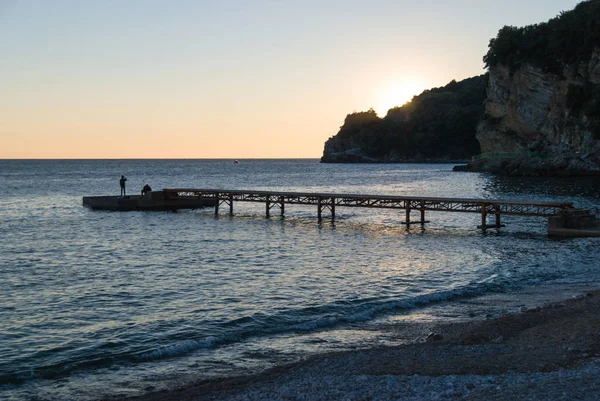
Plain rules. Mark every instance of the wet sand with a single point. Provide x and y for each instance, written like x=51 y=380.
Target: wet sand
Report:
x=550 y=352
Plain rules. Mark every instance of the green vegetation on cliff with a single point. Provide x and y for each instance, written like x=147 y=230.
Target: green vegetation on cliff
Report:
x=563 y=46
x=568 y=39
x=438 y=124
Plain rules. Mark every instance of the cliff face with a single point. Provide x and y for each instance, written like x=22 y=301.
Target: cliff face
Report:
x=542 y=110
x=550 y=119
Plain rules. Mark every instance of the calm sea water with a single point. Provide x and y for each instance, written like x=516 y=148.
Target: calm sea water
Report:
x=96 y=304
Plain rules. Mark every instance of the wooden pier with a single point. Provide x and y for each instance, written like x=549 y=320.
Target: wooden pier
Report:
x=331 y=201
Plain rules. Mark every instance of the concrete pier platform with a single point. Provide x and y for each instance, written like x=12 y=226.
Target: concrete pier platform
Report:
x=154 y=200
x=574 y=223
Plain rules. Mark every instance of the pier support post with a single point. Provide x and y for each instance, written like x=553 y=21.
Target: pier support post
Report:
x=497 y=208
x=268 y=206
x=332 y=209
x=483 y=217
x=320 y=207
x=422 y=212
x=217 y=204
x=282 y=202
x=408 y=216
x=230 y=204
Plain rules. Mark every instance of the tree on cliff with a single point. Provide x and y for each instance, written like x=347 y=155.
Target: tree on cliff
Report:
x=560 y=46
x=438 y=124
x=570 y=38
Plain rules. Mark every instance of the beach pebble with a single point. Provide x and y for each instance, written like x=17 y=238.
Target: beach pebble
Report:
x=498 y=340
x=434 y=337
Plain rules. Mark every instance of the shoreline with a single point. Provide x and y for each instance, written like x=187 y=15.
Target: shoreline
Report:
x=408 y=161
x=543 y=352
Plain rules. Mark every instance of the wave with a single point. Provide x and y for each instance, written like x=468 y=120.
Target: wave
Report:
x=179 y=348
x=259 y=325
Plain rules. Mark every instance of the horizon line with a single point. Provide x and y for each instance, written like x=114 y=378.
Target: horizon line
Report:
x=167 y=158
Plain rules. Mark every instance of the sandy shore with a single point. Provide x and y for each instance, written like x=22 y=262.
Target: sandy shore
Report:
x=545 y=353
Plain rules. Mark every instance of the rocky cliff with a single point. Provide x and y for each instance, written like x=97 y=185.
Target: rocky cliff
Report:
x=541 y=113
x=542 y=109
x=540 y=122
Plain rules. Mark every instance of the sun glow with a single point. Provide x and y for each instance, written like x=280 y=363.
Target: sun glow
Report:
x=397 y=94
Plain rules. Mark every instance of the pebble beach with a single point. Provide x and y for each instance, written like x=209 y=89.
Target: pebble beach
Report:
x=547 y=352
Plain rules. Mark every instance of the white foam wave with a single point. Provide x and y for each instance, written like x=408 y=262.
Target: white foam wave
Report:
x=375 y=309
x=365 y=314
x=180 y=348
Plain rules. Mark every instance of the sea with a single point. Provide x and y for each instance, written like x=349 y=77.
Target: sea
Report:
x=103 y=304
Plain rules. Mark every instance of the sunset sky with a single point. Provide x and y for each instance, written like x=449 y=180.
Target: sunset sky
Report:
x=227 y=79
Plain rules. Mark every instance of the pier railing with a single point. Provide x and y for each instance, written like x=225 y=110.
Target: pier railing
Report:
x=330 y=201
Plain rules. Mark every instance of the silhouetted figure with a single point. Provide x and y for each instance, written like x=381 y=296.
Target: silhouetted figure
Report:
x=122 y=183
x=146 y=189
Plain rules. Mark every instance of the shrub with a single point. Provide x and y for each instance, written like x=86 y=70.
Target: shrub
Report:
x=566 y=39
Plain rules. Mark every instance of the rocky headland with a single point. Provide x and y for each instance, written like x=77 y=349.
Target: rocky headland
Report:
x=542 y=109
x=539 y=113
x=436 y=126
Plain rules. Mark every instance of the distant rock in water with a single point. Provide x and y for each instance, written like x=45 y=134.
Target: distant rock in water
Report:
x=542 y=111
x=560 y=165
x=354 y=155
x=437 y=125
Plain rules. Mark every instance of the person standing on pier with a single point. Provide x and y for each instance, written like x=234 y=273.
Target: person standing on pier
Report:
x=122 y=183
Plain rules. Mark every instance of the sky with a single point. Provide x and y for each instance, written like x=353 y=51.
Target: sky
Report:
x=227 y=79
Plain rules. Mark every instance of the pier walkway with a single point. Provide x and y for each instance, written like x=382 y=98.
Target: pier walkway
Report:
x=331 y=201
